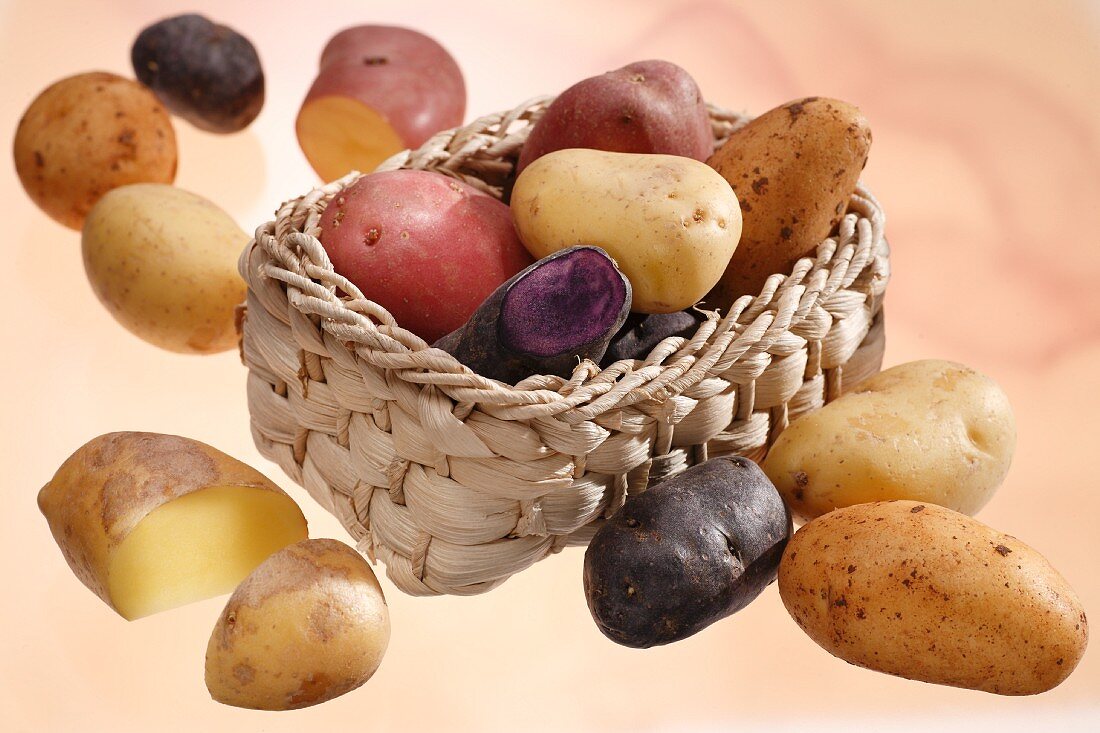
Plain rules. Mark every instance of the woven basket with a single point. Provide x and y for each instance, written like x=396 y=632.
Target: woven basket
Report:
x=455 y=481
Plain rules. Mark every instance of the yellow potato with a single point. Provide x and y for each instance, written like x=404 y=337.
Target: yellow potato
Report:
x=922 y=592
x=164 y=263
x=307 y=625
x=929 y=430
x=671 y=223
x=150 y=522
x=87 y=134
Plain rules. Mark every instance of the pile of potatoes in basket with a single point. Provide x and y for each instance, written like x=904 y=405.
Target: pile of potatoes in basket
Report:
x=621 y=227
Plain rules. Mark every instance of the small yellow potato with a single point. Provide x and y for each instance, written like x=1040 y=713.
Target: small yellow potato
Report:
x=164 y=263
x=671 y=223
x=922 y=592
x=307 y=625
x=927 y=430
x=151 y=522
x=87 y=134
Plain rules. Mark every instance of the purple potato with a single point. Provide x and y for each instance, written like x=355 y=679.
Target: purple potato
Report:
x=687 y=552
x=642 y=332
x=206 y=73
x=563 y=308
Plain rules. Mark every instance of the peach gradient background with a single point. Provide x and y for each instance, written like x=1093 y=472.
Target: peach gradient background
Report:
x=987 y=157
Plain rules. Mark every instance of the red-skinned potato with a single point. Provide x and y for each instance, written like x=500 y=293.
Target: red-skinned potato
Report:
x=644 y=107
x=380 y=89
x=426 y=247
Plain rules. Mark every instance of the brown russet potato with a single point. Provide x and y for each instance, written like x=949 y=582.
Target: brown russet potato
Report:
x=644 y=107
x=380 y=89
x=87 y=134
x=150 y=522
x=308 y=625
x=919 y=591
x=794 y=169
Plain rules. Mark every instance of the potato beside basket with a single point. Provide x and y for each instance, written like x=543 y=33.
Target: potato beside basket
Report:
x=455 y=481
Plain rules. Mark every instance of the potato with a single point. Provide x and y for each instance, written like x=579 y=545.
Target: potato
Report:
x=164 y=263
x=380 y=89
x=307 y=625
x=426 y=247
x=86 y=135
x=671 y=223
x=560 y=310
x=209 y=74
x=687 y=552
x=641 y=334
x=922 y=592
x=932 y=431
x=644 y=107
x=794 y=169
x=150 y=522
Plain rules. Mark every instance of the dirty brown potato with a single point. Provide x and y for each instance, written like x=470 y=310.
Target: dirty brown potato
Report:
x=687 y=552
x=793 y=169
x=307 y=625
x=922 y=592
x=150 y=522
x=86 y=135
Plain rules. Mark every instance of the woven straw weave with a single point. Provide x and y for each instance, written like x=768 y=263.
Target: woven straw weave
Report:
x=455 y=481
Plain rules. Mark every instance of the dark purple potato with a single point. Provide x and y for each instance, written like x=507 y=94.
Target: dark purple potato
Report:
x=206 y=73
x=564 y=307
x=642 y=332
x=687 y=552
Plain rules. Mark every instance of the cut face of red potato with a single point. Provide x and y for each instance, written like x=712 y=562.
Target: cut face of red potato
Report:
x=380 y=89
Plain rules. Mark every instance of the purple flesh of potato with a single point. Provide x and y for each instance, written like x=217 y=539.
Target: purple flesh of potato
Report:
x=564 y=307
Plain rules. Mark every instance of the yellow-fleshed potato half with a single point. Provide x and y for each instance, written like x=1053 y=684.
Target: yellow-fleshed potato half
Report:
x=307 y=625
x=922 y=592
x=164 y=263
x=151 y=522
x=670 y=223
x=87 y=134
x=930 y=430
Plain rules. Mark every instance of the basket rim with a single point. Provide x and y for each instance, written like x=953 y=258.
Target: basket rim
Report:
x=287 y=251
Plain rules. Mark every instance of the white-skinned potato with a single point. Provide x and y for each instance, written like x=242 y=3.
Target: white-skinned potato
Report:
x=922 y=592
x=929 y=430
x=308 y=625
x=164 y=263
x=670 y=223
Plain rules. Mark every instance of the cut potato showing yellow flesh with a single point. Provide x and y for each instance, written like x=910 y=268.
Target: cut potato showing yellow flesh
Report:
x=199 y=546
x=340 y=134
x=149 y=521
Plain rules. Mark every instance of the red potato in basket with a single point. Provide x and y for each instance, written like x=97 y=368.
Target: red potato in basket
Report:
x=644 y=107
x=427 y=248
x=380 y=89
